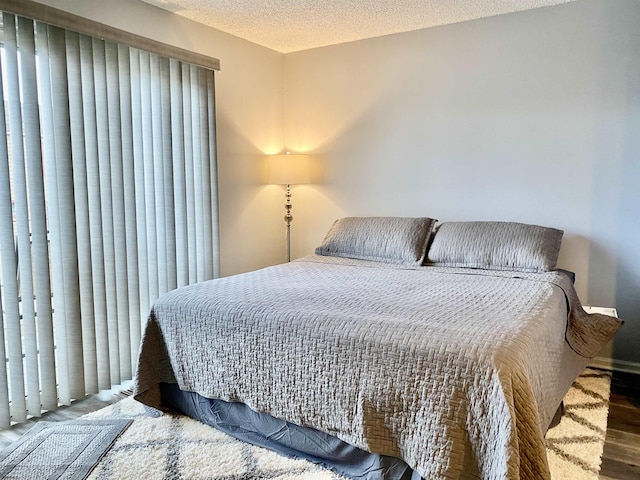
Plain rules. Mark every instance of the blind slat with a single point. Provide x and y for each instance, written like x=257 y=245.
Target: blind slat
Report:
x=13 y=328
x=106 y=203
x=117 y=198
x=149 y=180
x=213 y=171
x=139 y=174
x=53 y=216
x=178 y=154
x=33 y=241
x=98 y=282
x=129 y=198
x=83 y=222
x=167 y=176
x=158 y=170
x=196 y=130
x=8 y=261
x=205 y=177
x=39 y=233
x=66 y=211
x=189 y=173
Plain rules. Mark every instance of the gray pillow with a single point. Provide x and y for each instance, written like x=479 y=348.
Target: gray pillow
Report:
x=382 y=239
x=495 y=246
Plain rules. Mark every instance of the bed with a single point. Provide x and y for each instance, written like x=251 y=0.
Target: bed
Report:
x=407 y=351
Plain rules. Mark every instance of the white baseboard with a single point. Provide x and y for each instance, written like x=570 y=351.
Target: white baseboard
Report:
x=616 y=365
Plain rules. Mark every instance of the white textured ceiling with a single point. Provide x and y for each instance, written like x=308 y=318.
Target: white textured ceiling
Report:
x=289 y=26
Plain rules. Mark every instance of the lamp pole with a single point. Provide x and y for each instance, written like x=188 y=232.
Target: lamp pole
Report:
x=288 y=218
x=288 y=170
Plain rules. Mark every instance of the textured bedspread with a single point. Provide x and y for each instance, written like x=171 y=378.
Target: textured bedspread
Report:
x=456 y=371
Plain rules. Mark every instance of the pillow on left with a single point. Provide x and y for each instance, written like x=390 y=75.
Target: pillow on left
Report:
x=400 y=240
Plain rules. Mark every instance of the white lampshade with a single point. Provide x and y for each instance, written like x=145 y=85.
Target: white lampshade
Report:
x=289 y=169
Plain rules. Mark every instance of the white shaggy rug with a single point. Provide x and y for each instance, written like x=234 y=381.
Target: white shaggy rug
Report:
x=574 y=447
x=161 y=446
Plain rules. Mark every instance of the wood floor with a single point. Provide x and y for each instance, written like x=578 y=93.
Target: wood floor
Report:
x=620 y=461
x=621 y=457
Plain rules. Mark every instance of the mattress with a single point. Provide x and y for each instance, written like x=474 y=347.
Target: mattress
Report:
x=456 y=372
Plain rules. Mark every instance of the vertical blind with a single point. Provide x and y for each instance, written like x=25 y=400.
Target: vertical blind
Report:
x=107 y=200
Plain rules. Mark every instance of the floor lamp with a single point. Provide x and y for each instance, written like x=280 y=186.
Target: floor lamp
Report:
x=288 y=170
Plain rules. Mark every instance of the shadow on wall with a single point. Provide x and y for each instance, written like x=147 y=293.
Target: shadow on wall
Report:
x=627 y=344
x=245 y=206
x=574 y=256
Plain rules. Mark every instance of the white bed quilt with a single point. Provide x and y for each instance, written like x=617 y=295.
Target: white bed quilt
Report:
x=458 y=372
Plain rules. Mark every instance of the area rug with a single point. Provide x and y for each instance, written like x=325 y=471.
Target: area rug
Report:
x=60 y=450
x=574 y=447
x=158 y=446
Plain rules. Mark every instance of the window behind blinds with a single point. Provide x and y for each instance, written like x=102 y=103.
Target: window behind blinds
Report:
x=107 y=200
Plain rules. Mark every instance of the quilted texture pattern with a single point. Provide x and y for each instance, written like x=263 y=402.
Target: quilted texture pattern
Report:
x=495 y=246
x=383 y=239
x=456 y=371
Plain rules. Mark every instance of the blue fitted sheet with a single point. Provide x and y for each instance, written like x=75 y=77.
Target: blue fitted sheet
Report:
x=261 y=429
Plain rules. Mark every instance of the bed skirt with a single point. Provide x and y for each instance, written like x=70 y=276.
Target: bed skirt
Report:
x=261 y=429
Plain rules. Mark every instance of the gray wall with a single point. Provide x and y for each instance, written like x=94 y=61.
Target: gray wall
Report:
x=530 y=117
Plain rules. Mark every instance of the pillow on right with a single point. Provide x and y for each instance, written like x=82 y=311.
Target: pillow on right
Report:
x=495 y=246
